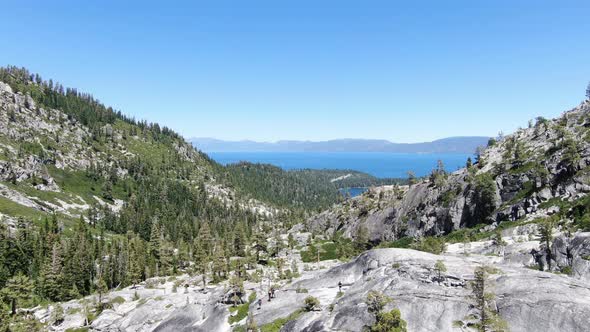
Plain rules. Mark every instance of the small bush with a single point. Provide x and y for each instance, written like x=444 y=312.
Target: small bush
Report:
x=118 y=300
x=376 y=301
x=434 y=245
x=311 y=303
x=301 y=290
x=151 y=283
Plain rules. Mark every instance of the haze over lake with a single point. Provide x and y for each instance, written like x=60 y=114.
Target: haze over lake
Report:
x=379 y=164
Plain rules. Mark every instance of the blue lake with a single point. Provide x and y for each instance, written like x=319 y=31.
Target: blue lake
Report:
x=379 y=164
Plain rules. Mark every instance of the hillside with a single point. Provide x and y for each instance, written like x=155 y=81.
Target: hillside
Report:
x=537 y=175
x=82 y=184
x=445 y=145
x=307 y=189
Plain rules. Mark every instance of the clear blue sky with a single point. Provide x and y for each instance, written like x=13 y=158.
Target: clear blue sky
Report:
x=269 y=70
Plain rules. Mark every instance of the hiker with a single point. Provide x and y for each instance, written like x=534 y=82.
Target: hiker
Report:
x=269 y=295
x=272 y=290
x=340 y=286
x=259 y=303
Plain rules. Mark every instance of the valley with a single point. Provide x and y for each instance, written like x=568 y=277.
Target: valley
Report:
x=108 y=223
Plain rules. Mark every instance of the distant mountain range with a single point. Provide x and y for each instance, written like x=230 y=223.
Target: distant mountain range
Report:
x=463 y=144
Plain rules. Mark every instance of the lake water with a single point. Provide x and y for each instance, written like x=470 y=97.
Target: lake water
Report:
x=379 y=164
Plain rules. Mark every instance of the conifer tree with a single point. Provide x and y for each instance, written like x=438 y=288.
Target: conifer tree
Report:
x=154 y=248
x=483 y=300
x=205 y=238
x=546 y=231
x=51 y=276
x=18 y=288
x=136 y=260
x=219 y=263
x=291 y=241
x=101 y=288
x=440 y=268
x=362 y=238
x=200 y=259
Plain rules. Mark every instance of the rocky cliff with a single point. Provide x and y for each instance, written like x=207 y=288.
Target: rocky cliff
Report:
x=529 y=174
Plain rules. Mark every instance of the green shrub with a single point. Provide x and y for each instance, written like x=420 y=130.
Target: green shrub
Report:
x=404 y=242
x=242 y=312
x=277 y=324
x=389 y=322
x=485 y=197
x=311 y=303
x=434 y=245
x=376 y=301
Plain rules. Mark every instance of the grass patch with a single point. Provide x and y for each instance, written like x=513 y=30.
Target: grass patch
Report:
x=78 y=329
x=277 y=324
x=118 y=300
x=11 y=208
x=242 y=312
x=79 y=183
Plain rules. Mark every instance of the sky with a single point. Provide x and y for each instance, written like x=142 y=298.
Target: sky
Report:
x=405 y=71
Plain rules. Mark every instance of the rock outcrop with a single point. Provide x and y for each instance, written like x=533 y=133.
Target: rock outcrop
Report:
x=528 y=300
x=516 y=176
x=570 y=255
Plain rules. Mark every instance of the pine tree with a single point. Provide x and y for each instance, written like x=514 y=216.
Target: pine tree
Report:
x=259 y=244
x=200 y=259
x=546 y=231
x=205 y=238
x=291 y=241
x=483 y=300
x=278 y=244
x=219 y=263
x=168 y=259
x=136 y=260
x=51 y=274
x=18 y=288
x=440 y=268
x=154 y=248
x=239 y=240
x=362 y=238
x=101 y=288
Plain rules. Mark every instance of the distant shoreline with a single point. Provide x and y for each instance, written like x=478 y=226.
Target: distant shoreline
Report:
x=461 y=144
x=378 y=164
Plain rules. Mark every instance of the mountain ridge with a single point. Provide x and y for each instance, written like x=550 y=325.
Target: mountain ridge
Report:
x=455 y=144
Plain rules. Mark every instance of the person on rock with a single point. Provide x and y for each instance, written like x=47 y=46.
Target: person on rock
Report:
x=269 y=295
x=260 y=303
x=340 y=286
